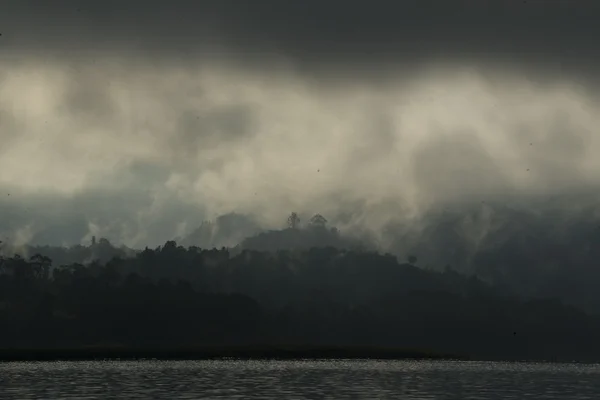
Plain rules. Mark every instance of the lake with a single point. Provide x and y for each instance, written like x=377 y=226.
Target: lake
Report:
x=338 y=379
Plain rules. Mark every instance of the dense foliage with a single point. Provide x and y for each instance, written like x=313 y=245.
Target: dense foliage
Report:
x=173 y=295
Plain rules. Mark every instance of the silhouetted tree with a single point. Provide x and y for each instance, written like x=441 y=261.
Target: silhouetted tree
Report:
x=41 y=266
x=293 y=221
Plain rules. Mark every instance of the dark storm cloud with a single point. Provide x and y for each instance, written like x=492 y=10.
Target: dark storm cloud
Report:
x=558 y=33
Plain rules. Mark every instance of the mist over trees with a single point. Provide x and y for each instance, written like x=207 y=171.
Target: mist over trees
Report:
x=297 y=237
x=547 y=251
x=225 y=231
x=100 y=250
x=503 y=282
x=539 y=252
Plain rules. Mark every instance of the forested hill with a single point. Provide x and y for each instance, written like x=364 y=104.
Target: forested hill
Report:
x=316 y=297
x=538 y=253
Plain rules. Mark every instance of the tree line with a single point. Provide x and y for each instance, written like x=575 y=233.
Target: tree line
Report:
x=321 y=296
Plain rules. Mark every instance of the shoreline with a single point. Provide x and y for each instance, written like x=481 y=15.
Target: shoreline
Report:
x=212 y=353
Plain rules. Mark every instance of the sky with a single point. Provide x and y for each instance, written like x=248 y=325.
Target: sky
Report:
x=138 y=120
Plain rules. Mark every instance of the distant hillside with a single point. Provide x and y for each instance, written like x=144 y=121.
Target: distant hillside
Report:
x=101 y=251
x=226 y=231
x=300 y=239
x=551 y=249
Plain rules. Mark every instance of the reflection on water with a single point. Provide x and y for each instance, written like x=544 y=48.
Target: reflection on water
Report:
x=298 y=380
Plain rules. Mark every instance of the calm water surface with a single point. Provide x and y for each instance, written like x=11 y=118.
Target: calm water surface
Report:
x=297 y=380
